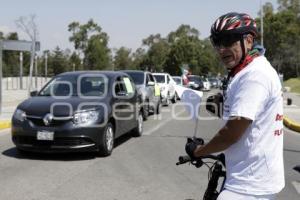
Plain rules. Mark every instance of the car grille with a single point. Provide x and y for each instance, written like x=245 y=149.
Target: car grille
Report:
x=37 y=121
x=60 y=141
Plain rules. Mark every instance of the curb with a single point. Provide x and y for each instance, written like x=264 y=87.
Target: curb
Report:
x=291 y=124
x=5 y=124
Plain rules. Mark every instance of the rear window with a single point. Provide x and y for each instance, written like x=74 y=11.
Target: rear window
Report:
x=160 y=78
x=137 y=77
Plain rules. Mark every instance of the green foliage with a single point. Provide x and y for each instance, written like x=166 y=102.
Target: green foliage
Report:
x=282 y=37
x=122 y=59
x=11 y=58
x=92 y=42
x=58 y=62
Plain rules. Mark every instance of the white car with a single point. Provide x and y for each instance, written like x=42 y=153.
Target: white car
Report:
x=179 y=87
x=167 y=87
x=206 y=84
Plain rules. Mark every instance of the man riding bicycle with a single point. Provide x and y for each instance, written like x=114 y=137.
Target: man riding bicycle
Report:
x=252 y=137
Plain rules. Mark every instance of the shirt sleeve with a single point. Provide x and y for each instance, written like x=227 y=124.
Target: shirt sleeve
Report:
x=249 y=98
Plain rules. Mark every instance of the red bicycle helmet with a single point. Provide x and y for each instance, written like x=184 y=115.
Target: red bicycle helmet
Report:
x=233 y=23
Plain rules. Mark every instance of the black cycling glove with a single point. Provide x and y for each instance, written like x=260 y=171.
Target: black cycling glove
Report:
x=191 y=145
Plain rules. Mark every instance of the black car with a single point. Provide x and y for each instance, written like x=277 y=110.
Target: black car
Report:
x=78 y=111
x=195 y=82
x=145 y=84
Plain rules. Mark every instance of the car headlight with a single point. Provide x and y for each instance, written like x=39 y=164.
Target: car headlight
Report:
x=86 y=117
x=19 y=115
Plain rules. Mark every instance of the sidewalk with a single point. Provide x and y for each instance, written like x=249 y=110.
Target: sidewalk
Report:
x=292 y=112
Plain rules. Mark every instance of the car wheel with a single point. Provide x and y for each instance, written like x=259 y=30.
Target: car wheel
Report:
x=174 y=100
x=157 y=111
x=107 y=140
x=146 y=110
x=138 y=130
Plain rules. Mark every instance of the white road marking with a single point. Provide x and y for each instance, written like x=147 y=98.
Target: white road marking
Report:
x=297 y=186
x=161 y=124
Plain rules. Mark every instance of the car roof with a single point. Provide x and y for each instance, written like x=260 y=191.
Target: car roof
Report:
x=138 y=71
x=110 y=74
x=160 y=73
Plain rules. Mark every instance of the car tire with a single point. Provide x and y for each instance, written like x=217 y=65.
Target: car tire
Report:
x=157 y=109
x=174 y=100
x=107 y=140
x=146 y=110
x=138 y=130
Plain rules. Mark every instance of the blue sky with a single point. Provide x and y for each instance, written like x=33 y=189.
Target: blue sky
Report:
x=127 y=22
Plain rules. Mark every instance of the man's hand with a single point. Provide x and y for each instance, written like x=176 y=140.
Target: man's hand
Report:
x=191 y=145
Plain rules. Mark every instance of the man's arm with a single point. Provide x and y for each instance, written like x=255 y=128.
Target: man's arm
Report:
x=228 y=135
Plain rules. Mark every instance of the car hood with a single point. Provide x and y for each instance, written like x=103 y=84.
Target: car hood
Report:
x=39 y=106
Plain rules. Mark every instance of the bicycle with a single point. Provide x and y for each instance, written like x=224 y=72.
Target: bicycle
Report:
x=216 y=171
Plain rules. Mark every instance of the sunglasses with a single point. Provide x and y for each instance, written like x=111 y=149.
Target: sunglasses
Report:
x=225 y=40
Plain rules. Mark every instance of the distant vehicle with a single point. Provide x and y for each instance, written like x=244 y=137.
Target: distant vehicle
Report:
x=178 y=80
x=214 y=82
x=206 y=84
x=179 y=87
x=145 y=84
x=167 y=87
x=195 y=82
x=78 y=111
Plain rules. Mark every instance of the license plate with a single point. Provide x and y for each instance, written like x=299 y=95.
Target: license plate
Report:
x=45 y=135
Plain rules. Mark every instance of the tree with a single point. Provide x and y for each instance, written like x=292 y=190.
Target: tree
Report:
x=90 y=41
x=282 y=36
x=58 y=62
x=122 y=59
x=11 y=58
x=30 y=28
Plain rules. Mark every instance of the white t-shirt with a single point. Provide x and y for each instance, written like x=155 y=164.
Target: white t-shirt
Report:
x=254 y=164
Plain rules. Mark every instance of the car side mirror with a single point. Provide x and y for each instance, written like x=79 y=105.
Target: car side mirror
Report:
x=150 y=83
x=33 y=93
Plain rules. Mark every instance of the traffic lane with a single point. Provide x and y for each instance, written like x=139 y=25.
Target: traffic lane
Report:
x=291 y=158
x=139 y=168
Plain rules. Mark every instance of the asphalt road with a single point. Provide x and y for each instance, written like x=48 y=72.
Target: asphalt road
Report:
x=139 y=168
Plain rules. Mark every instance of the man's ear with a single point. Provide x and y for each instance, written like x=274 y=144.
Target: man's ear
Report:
x=249 y=42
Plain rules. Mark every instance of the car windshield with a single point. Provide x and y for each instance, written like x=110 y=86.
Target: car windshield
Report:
x=194 y=78
x=138 y=77
x=160 y=78
x=68 y=86
x=177 y=80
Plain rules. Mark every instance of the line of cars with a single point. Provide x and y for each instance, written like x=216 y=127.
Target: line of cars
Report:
x=88 y=110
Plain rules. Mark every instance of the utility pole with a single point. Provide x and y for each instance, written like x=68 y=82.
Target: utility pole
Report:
x=46 y=65
x=36 y=72
x=21 y=70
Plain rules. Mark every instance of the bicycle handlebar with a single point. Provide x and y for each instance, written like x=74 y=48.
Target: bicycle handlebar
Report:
x=184 y=159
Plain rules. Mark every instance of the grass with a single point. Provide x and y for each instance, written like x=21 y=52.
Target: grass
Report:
x=294 y=84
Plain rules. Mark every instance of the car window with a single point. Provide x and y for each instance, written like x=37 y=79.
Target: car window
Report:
x=60 y=86
x=92 y=86
x=123 y=86
x=177 y=80
x=137 y=77
x=151 y=78
x=160 y=78
x=128 y=85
